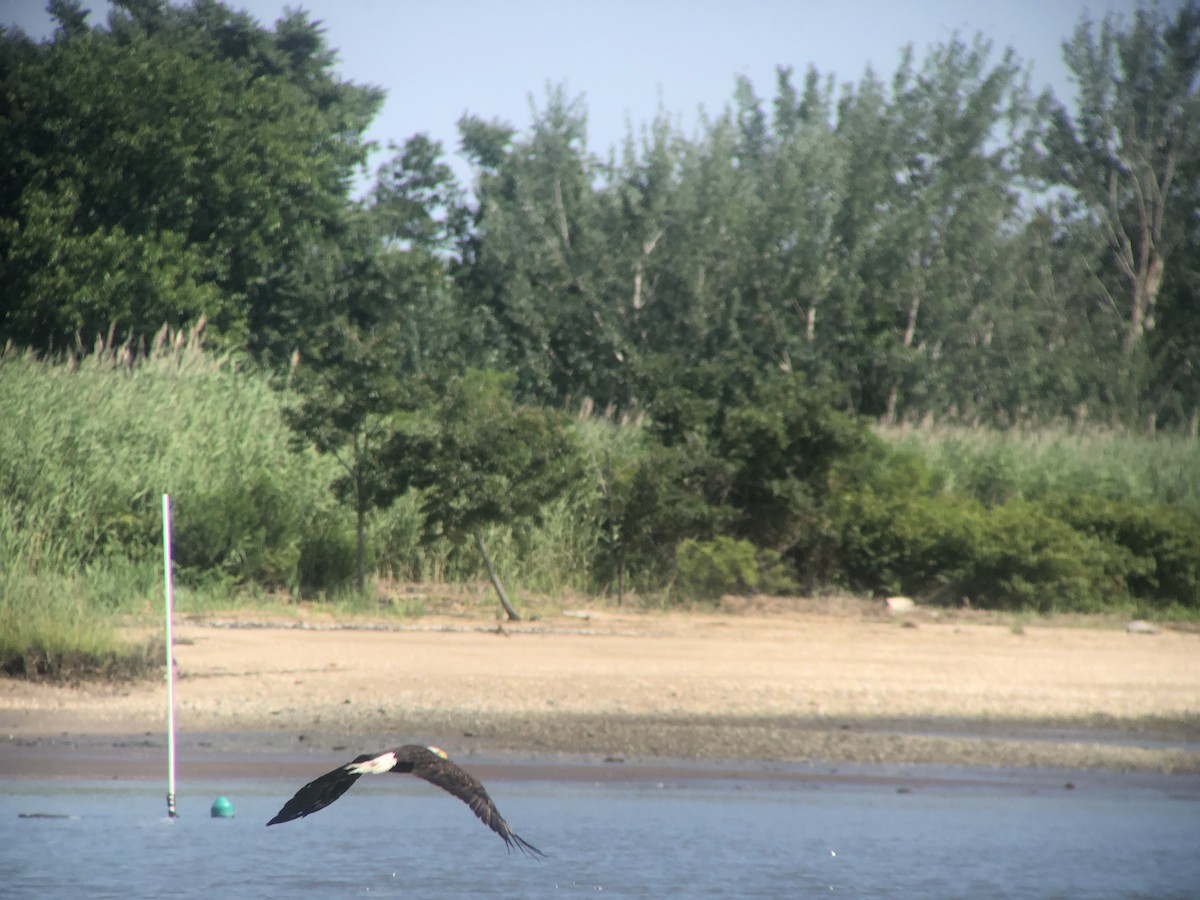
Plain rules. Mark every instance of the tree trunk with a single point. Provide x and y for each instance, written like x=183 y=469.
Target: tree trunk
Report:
x=362 y=549
x=513 y=616
x=1146 y=284
x=361 y=525
x=910 y=330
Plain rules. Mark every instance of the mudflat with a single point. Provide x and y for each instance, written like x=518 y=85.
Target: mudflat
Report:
x=748 y=684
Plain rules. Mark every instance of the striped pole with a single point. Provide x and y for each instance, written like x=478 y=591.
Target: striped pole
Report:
x=167 y=581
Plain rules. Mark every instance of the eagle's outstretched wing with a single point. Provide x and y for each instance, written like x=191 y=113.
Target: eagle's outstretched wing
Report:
x=319 y=793
x=434 y=767
x=427 y=763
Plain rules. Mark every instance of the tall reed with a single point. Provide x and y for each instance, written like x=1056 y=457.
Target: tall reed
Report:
x=91 y=443
x=1035 y=463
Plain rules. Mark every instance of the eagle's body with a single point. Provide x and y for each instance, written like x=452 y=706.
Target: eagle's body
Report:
x=427 y=763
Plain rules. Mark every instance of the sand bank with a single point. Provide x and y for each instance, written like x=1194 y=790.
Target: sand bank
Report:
x=606 y=685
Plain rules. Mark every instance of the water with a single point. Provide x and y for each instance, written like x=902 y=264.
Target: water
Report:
x=396 y=836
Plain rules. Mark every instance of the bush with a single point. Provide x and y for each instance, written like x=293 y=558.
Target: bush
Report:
x=707 y=569
x=880 y=531
x=949 y=549
x=1163 y=543
x=1021 y=557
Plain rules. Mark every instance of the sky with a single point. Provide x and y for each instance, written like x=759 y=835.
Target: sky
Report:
x=629 y=59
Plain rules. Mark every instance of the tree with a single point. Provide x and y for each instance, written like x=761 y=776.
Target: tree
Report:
x=1131 y=152
x=182 y=162
x=930 y=192
x=388 y=331
x=349 y=396
x=536 y=267
x=479 y=459
x=791 y=251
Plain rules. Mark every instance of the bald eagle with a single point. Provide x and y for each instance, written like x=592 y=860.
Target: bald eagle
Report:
x=428 y=763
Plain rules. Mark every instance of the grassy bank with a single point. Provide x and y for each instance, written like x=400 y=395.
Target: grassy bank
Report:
x=1062 y=521
x=49 y=630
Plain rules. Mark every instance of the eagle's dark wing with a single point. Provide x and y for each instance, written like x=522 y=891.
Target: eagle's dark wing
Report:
x=466 y=787
x=318 y=794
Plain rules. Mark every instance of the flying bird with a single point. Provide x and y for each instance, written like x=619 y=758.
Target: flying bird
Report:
x=428 y=763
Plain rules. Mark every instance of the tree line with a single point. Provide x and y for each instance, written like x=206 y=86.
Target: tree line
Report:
x=941 y=242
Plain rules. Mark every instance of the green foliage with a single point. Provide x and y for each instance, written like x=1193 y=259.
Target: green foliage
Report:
x=656 y=500
x=1121 y=153
x=993 y=465
x=52 y=628
x=327 y=552
x=346 y=399
x=705 y=570
x=955 y=537
x=395 y=539
x=240 y=529
x=764 y=448
x=185 y=162
x=536 y=269
x=92 y=444
x=181 y=163
x=749 y=291
x=646 y=499
x=708 y=569
x=953 y=551
x=1020 y=557
x=66 y=282
x=1163 y=543
x=479 y=459
x=887 y=526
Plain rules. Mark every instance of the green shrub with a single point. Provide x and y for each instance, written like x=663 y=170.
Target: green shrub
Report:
x=327 y=553
x=1163 y=543
x=889 y=543
x=885 y=523
x=949 y=549
x=244 y=528
x=1021 y=557
x=395 y=536
x=707 y=569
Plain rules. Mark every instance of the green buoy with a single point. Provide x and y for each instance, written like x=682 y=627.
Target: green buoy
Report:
x=222 y=808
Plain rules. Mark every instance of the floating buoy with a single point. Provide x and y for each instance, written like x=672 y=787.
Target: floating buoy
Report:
x=222 y=808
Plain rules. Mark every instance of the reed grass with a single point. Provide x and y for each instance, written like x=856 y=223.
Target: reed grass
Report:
x=1033 y=463
x=50 y=629
x=90 y=445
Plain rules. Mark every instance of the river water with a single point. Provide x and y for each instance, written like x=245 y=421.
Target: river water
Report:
x=1028 y=835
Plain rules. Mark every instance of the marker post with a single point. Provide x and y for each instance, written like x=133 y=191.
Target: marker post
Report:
x=168 y=583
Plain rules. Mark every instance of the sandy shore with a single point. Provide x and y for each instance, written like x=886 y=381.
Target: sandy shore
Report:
x=606 y=685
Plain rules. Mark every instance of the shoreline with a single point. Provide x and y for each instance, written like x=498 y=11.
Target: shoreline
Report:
x=209 y=764
x=254 y=755
x=673 y=689
x=1162 y=747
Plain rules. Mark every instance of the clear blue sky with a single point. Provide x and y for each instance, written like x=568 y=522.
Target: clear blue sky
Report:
x=440 y=58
